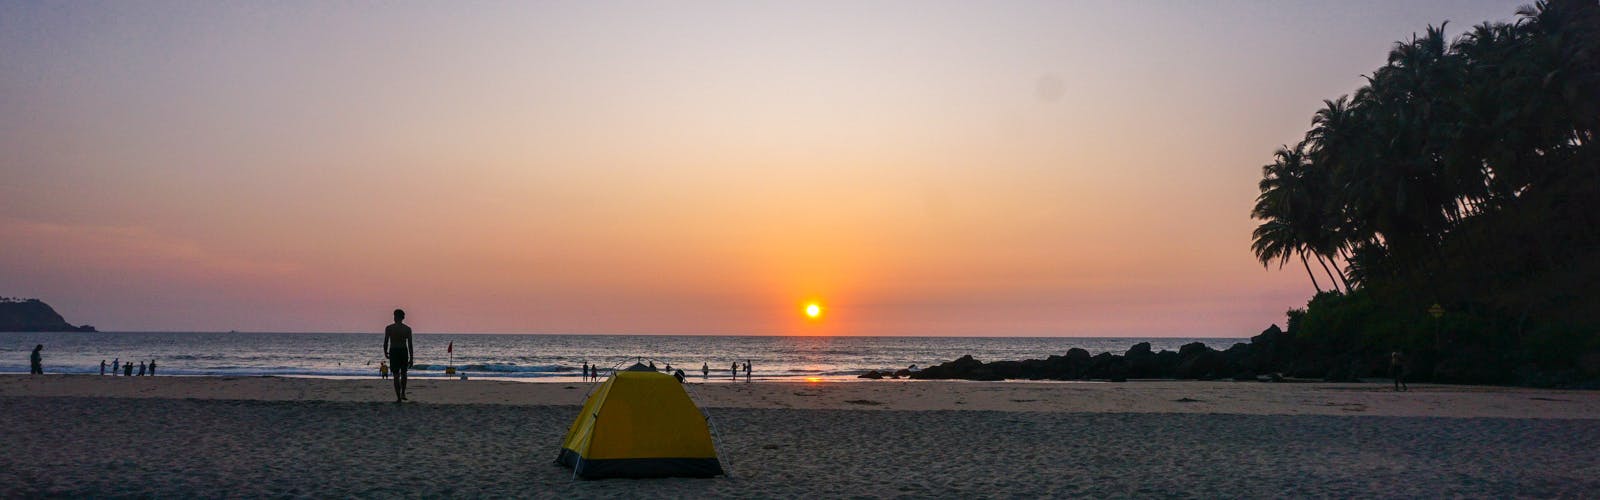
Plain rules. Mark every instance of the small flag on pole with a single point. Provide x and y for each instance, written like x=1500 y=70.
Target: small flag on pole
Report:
x=451 y=348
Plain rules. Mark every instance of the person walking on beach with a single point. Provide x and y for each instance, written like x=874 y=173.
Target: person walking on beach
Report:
x=585 y=371
x=141 y=368
x=127 y=369
x=102 y=368
x=747 y=370
x=152 y=368
x=36 y=362
x=1397 y=369
x=397 y=346
x=705 y=370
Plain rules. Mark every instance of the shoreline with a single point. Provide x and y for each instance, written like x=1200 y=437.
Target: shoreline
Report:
x=1152 y=396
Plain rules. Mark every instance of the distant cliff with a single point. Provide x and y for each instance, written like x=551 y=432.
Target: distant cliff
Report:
x=32 y=315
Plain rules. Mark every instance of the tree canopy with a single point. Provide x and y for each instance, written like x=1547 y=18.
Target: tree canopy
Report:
x=1463 y=173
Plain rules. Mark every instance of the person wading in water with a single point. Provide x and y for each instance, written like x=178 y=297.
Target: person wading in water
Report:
x=397 y=347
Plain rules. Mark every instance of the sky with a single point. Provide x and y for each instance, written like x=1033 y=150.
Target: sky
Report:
x=916 y=168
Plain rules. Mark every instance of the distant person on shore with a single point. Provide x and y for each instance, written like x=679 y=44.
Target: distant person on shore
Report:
x=383 y=369
x=36 y=362
x=102 y=368
x=127 y=369
x=1397 y=369
x=152 y=368
x=585 y=371
x=705 y=370
x=397 y=346
x=141 y=368
x=735 y=370
x=116 y=366
x=747 y=370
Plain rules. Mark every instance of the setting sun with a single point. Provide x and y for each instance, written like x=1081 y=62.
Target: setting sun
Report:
x=813 y=310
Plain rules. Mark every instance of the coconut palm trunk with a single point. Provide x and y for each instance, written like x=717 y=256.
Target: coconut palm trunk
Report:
x=1331 y=280
x=1309 y=273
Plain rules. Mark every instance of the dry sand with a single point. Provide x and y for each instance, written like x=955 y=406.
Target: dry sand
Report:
x=169 y=436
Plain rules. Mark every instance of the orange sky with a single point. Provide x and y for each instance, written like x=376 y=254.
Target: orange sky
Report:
x=920 y=168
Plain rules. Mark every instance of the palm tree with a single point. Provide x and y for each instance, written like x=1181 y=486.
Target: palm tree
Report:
x=1288 y=211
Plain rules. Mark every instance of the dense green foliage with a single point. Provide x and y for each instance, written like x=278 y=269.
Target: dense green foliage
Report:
x=1465 y=173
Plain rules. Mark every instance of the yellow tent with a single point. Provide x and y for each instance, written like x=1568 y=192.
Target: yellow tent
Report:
x=639 y=423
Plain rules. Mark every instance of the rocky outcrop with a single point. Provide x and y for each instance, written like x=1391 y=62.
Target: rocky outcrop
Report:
x=1261 y=359
x=33 y=315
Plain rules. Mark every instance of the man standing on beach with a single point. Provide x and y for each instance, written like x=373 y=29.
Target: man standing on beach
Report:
x=397 y=346
x=102 y=368
x=36 y=362
x=116 y=366
x=1397 y=369
x=152 y=368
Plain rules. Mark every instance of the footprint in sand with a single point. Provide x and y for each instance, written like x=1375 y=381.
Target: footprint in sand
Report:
x=867 y=402
x=1187 y=400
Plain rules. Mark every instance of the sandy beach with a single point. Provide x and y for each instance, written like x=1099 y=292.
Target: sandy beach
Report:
x=173 y=436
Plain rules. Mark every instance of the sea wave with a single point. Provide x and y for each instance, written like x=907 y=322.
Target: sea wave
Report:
x=499 y=368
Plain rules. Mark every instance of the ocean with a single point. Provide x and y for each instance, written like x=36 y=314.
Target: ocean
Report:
x=534 y=358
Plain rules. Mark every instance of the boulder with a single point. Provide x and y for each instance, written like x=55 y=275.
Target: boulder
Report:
x=1077 y=355
x=1203 y=365
x=1108 y=366
x=1236 y=358
x=1192 y=349
x=1269 y=351
x=1167 y=363
x=964 y=367
x=1139 y=349
x=1003 y=369
x=1141 y=361
x=874 y=375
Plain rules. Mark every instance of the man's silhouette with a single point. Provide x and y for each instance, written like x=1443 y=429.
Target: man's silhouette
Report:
x=1397 y=369
x=35 y=362
x=397 y=346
